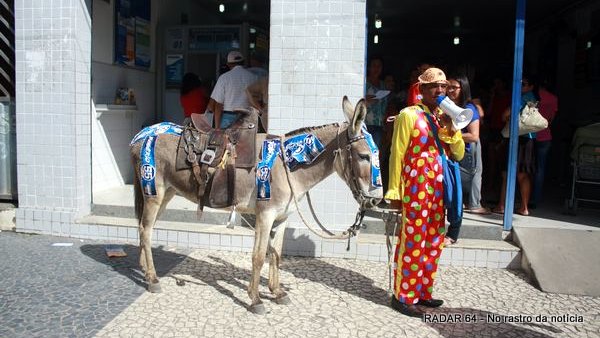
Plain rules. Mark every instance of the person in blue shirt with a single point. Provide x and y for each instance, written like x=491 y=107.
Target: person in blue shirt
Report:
x=471 y=166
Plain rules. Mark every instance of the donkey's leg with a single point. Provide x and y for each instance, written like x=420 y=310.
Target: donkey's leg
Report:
x=151 y=208
x=275 y=256
x=264 y=221
x=168 y=196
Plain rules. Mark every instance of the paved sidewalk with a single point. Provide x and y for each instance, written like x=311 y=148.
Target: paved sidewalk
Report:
x=48 y=291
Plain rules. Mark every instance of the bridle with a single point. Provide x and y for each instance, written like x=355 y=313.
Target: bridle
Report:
x=358 y=194
x=354 y=187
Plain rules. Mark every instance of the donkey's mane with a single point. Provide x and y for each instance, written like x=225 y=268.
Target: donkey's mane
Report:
x=307 y=129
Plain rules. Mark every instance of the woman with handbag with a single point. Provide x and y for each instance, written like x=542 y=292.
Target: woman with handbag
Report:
x=526 y=154
x=471 y=166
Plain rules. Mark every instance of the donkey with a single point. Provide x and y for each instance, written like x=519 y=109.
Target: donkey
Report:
x=345 y=151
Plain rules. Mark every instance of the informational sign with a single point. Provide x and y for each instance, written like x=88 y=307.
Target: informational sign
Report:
x=174 y=70
x=142 y=43
x=132 y=33
x=175 y=39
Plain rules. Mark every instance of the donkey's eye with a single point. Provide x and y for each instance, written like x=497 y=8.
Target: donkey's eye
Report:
x=366 y=157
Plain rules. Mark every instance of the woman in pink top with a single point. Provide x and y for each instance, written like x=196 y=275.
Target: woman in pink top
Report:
x=548 y=107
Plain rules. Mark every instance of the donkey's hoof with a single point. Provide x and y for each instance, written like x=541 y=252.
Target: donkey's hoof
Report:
x=283 y=300
x=258 y=309
x=154 y=288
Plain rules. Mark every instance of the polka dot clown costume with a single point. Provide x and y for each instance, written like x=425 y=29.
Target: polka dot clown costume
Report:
x=416 y=180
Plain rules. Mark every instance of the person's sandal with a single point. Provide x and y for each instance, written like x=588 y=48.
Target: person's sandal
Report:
x=448 y=241
x=497 y=210
x=479 y=211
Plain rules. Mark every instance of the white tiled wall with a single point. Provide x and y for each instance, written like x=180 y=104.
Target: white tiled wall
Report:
x=317 y=55
x=53 y=46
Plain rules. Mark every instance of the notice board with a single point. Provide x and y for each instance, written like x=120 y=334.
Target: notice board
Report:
x=132 y=33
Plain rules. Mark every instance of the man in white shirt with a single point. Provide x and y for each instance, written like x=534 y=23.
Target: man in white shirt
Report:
x=230 y=91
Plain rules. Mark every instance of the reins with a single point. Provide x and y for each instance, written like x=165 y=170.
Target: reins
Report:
x=324 y=233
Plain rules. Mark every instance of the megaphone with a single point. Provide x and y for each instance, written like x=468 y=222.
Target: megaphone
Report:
x=461 y=117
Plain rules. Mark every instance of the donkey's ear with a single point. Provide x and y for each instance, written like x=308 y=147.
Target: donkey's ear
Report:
x=348 y=109
x=360 y=112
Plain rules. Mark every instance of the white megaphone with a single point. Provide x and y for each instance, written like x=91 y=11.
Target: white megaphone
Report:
x=461 y=117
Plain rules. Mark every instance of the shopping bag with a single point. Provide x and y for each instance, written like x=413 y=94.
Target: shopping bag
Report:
x=452 y=190
x=530 y=121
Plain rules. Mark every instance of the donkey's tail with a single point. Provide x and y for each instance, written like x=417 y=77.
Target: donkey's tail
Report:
x=139 y=196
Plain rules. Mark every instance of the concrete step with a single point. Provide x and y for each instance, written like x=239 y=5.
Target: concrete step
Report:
x=112 y=218
x=188 y=215
x=7 y=217
x=298 y=242
x=561 y=259
x=488 y=227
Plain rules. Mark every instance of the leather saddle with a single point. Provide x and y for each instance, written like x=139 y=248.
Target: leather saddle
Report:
x=214 y=155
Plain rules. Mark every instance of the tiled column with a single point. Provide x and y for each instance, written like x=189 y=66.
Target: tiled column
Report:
x=53 y=54
x=317 y=55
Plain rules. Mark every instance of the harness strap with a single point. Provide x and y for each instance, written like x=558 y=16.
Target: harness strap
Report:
x=352 y=230
x=201 y=175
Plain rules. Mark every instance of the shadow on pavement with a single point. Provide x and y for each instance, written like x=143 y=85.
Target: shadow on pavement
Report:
x=462 y=322
x=336 y=278
x=128 y=266
x=213 y=271
x=168 y=264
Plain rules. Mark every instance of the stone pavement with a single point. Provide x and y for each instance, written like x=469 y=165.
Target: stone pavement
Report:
x=75 y=291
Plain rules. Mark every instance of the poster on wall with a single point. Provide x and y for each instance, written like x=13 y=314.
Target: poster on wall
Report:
x=132 y=33
x=174 y=70
x=175 y=38
x=142 y=43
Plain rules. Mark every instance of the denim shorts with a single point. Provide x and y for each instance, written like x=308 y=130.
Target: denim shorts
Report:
x=228 y=118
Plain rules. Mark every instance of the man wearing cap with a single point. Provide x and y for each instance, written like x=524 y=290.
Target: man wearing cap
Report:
x=230 y=91
x=415 y=186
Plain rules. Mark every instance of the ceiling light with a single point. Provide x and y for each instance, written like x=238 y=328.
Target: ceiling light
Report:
x=588 y=45
x=221 y=8
x=378 y=23
x=457 y=21
x=456 y=40
x=252 y=30
x=245 y=7
x=376 y=39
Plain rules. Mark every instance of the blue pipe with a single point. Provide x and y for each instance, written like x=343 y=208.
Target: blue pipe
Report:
x=514 y=112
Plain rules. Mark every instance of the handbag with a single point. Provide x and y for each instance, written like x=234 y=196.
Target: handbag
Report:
x=530 y=121
x=451 y=182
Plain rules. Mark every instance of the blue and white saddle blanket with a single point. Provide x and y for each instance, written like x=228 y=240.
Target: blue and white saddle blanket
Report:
x=299 y=149
x=270 y=151
x=147 y=169
x=302 y=149
x=157 y=129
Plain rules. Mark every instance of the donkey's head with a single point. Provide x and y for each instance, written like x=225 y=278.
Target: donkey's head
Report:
x=358 y=158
